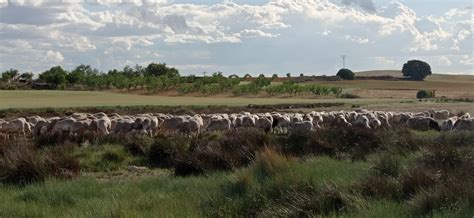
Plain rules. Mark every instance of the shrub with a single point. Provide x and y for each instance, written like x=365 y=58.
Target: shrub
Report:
x=416 y=179
x=387 y=165
x=22 y=163
x=269 y=163
x=166 y=150
x=349 y=95
x=185 y=88
x=101 y=158
x=440 y=198
x=138 y=144
x=380 y=187
x=203 y=159
x=333 y=199
x=424 y=94
x=61 y=163
x=444 y=158
x=240 y=147
x=211 y=152
x=345 y=74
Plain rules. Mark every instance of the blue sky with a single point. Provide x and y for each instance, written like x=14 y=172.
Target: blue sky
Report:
x=274 y=36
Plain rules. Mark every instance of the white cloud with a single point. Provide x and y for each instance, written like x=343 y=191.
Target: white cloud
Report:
x=444 y=61
x=255 y=33
x=54 y=56
x=277 y=35
x=357 y=39
x=467 y=61
x=20 y=44
x=128 y=42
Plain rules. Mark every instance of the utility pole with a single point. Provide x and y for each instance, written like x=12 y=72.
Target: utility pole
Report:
x=343 y=61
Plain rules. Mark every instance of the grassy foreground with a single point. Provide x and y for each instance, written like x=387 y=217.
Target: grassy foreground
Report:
x=145 y=197
x=360 y=173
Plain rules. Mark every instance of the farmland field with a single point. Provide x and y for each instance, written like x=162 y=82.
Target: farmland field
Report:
x=374 y=94
x=335 y=172
x=37 y=99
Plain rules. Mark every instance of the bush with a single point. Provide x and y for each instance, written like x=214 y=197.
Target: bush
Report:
x=387 y=165
x=444 y=158
x=380 y=187
x=416 y=179
x=424 y=94
x=185 y=88
x=166 y=150
x=21 y=163
x=61 y=162
x=345 y=74
x=102 y=158
x=440 y=198
x=333 y=199
x=349 y=96
x=210 y=153
x=138 y=144
x=270 y=187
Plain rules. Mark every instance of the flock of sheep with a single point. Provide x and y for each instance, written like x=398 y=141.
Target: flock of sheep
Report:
x=88 y=126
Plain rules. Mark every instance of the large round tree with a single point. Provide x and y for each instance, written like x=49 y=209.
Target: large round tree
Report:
x=416 y=70
x=345 y=74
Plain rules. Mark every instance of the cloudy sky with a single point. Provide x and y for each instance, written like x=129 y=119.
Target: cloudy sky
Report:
x=251 y=36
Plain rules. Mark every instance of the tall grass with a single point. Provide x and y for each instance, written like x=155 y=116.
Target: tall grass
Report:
x=246 y=173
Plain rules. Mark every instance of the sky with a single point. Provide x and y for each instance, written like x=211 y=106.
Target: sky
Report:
x=239 y=36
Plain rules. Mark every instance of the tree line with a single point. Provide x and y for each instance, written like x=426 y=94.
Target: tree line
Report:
x=158 y=77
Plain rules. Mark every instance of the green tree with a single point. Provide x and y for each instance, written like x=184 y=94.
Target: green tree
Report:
x=261 y=81
x=56 y=76
x=28 y=76
x=160 y=69
x=10 y=74
x=78 y=74
x=288 y=75
x=345 y=74
x=416 y=70
x=131 y=72
x=154 y=69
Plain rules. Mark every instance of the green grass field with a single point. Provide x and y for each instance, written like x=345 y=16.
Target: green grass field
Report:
x=159 y=196
x=385 y=173
x=41 y=99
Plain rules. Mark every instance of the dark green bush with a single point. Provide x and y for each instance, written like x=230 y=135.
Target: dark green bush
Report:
x=387 y=165
x=345 y=74
x=380 y=187
x=138 y=144
x=22 y=163
x=166 y=150
x=349 y=96
x=423 y=94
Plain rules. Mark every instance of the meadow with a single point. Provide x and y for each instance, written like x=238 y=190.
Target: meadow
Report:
x=372 y=94
x=384 y=173
x=53 y=98
x=332 y=172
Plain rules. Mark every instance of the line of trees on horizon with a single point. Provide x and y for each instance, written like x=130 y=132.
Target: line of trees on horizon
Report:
x=157 y=77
